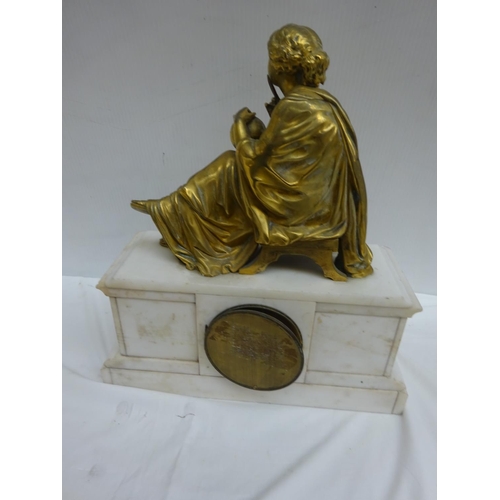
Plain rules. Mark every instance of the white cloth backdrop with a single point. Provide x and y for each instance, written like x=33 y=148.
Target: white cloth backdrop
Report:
x=124 y=443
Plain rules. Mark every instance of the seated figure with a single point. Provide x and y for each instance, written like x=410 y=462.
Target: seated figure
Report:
x=296 y=181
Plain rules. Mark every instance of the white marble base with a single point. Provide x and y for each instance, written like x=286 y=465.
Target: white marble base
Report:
x=387 y=395
x=351 y=331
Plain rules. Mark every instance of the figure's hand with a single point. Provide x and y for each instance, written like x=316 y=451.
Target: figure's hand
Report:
x=244 y=115
x=255 y=128
x=240 y=129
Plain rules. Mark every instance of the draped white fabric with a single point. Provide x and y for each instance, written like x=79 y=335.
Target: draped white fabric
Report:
x=125 y=443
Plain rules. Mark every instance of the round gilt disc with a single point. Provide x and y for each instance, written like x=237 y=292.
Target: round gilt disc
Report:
x=256 y=347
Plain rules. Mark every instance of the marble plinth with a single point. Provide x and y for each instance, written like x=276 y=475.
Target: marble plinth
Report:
x=351 y=331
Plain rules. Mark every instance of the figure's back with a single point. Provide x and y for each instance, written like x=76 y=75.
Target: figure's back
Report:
x=297 y=174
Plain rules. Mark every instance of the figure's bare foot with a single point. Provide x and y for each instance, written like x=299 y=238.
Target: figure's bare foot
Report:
x=139 y=205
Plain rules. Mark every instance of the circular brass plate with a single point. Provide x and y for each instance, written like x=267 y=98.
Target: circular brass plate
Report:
x=255 y=346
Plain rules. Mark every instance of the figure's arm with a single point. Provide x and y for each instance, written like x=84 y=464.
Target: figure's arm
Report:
x=253 y=153
x=253 y=145
x=241 y=127
x=290 y=124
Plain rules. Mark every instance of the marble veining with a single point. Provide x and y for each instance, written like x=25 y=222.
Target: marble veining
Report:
x=351 y=331
x=158 y=329
x=148 y=266
x=345 y=343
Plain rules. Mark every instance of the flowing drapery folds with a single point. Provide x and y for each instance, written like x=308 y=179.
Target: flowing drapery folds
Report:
x=301 y=180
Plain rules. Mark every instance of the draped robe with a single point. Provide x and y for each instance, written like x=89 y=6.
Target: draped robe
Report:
x=300 y=181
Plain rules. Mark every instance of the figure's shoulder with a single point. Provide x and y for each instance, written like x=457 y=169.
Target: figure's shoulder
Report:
x=305 y=98
x=317 y=95
x=314 y=96
x=302 y=92
x=322 y=94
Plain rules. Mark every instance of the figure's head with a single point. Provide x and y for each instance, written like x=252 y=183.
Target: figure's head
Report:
x=297 y=51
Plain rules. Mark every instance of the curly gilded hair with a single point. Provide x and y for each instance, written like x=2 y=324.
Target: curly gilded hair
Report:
x=298 y=50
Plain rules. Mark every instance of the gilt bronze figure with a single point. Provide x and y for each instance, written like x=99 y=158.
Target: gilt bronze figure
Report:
x=295 y=186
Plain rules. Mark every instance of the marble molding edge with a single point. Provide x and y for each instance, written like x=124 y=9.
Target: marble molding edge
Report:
x=117 y=281
x=380 y=394
x=316 y=396
x=416 y=307
x=127 y=250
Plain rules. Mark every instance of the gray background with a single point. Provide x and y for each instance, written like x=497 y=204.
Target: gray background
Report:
x=150 y=87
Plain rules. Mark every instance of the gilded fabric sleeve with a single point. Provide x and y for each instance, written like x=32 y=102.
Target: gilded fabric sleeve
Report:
x=293 y=179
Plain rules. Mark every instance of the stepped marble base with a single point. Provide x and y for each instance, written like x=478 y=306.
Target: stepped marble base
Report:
x=351 y=331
